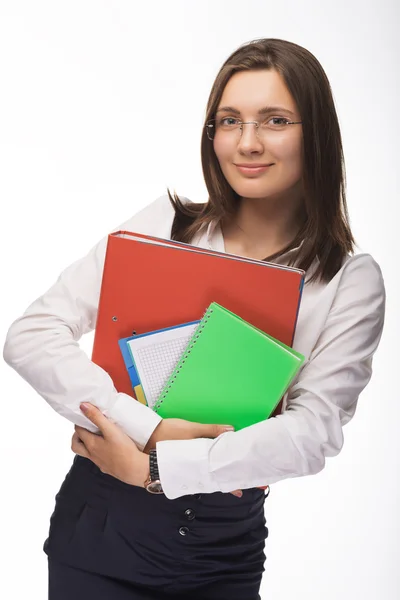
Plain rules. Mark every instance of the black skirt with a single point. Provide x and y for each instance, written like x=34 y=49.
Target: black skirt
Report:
x=118 y=541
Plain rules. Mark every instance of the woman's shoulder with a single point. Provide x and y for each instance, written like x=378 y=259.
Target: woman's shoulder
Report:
x=361 y=265
x=155 y=219
x=357 y=281
x=361 y=275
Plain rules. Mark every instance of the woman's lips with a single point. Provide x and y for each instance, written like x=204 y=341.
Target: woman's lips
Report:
x=247 y=170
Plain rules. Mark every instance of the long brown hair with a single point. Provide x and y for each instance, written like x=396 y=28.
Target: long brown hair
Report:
x=325 y=233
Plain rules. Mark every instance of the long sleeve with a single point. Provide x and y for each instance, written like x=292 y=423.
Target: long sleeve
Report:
x=42 y=345
x=346 y=324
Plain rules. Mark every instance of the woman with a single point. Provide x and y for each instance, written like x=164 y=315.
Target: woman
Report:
x=273 y=165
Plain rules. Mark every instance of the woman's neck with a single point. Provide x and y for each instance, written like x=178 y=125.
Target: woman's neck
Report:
x=261 y=227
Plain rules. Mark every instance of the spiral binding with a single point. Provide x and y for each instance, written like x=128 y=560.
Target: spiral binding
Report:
x=189 y=348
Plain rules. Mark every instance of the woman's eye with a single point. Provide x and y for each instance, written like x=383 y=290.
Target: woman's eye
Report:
x=278 y=121
x=228 y=121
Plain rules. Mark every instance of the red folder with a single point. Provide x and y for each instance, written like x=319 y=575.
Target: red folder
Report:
x=150 y=283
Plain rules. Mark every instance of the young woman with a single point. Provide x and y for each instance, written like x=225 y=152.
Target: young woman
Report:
x=273 y=165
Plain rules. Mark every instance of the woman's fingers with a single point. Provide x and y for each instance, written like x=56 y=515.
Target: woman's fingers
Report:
x=211 y=431
x=180 y=429
x=95 y=415
x=78 y=447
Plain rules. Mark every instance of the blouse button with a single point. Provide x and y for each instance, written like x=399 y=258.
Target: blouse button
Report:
x=183 y=530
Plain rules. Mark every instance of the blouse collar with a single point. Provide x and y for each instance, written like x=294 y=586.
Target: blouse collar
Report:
x=215 y=241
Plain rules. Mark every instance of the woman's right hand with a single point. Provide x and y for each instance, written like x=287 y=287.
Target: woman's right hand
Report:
x=179 y=429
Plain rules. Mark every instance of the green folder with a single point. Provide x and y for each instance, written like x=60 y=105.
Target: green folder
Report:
x=230 y=373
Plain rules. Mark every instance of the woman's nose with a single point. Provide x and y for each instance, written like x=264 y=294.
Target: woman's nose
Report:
x=249 y=138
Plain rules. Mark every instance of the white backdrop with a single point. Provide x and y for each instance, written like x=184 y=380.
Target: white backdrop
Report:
x=101 y=106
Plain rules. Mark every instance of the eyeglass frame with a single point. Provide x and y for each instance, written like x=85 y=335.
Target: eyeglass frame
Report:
x=241 y=123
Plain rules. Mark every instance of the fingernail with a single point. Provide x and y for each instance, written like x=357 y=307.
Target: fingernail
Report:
x=239 y=494
x=229 y=428
x=84 y=407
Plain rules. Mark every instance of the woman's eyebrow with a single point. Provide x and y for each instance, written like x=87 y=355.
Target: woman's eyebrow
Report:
x=262 y=111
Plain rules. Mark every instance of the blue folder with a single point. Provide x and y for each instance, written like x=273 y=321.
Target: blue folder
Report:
x=130 y=363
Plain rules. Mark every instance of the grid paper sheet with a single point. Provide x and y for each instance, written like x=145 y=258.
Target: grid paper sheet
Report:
x=156 y=355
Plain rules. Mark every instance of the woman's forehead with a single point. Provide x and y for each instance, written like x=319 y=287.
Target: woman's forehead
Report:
x=255 y=90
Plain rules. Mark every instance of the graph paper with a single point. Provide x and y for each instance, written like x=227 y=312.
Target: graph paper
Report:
x=155 y=356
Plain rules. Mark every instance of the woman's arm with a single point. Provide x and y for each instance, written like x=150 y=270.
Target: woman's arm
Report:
x=42 y=345
x=323 y=399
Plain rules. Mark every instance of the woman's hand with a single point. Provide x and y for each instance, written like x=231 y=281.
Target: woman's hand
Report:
x=113 y=451
x=115 y=454
x=179 y=429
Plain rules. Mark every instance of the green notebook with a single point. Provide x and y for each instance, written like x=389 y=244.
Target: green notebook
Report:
x=230 y=373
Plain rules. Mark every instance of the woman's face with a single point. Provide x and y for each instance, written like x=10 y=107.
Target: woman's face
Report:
x=248 y=92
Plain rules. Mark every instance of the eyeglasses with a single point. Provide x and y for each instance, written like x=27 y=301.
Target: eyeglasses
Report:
x=229 y=125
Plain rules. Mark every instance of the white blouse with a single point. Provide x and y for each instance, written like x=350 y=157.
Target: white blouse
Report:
x=338 y=330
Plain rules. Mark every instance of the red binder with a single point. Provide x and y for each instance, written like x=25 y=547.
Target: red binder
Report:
x=150 y=283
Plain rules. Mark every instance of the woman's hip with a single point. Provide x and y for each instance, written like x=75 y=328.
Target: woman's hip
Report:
x=103 y=525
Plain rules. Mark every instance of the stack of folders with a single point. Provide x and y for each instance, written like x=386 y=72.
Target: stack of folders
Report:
x=221 y=370
x=153 y=283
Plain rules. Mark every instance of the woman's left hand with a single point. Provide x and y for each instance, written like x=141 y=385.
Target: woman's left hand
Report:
x=113 y=451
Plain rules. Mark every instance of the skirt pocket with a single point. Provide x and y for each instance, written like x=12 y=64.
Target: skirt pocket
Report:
x=79 y=516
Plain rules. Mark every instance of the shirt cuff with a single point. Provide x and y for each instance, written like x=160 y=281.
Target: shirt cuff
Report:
x=183 y=467
x=135 y=419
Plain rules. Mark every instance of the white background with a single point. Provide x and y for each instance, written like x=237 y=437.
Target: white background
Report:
x=101 y=108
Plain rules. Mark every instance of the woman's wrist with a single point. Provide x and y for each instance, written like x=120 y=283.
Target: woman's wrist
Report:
x=144 y=470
